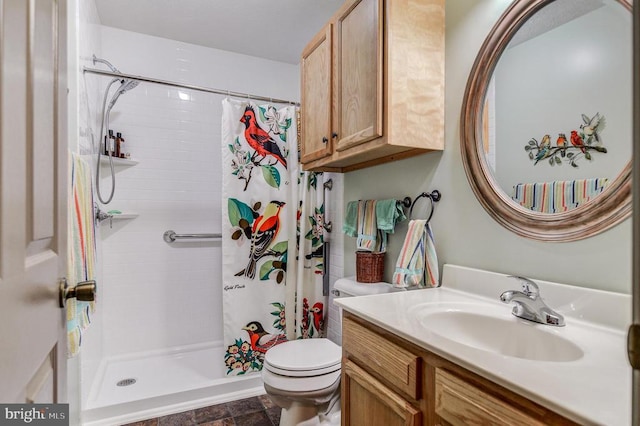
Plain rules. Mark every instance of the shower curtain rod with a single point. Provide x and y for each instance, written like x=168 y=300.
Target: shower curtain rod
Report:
x=186 y=86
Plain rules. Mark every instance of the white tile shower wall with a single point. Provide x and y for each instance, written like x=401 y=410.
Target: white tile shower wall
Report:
x=86 y=42
x=90 y=87
x=335 y=214
x=158 y=295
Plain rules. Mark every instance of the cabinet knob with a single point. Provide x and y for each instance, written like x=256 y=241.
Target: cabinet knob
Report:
x=334 y=135
x=325 y=140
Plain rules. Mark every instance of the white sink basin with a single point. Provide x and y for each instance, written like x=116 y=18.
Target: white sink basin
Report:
x=507 y=335
x=580 y=371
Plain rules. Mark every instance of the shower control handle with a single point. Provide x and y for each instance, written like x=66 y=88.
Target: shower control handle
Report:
x=84 y=291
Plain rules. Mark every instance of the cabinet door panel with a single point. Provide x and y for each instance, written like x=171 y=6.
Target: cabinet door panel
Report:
x=359 y=63
x=366 y=401
x=396 y=365
x=316 y=141
x=460 y=403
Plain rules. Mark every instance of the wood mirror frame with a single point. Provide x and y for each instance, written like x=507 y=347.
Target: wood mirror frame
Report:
x=609 y=208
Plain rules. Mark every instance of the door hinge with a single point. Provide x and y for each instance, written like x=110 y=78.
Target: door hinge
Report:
x=633 y=346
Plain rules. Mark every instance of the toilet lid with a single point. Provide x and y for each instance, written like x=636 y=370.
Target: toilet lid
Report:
x=305 y=357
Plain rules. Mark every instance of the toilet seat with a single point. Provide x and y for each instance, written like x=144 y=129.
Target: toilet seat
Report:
x=304 y=358
x=314 y=386
x=302 y=373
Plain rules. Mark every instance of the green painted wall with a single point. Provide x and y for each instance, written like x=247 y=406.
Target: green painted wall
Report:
x=465 y=234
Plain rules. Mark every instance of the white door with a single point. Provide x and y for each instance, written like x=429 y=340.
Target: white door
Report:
x=33 y=194
x=634 y=348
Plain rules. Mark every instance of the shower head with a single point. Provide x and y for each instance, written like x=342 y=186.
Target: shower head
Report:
x=125 y=84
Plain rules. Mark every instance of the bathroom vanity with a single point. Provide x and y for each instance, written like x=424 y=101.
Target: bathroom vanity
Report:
x=389 y=381
x=455 y=355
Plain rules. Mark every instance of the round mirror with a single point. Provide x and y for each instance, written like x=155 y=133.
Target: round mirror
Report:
x=547 y=118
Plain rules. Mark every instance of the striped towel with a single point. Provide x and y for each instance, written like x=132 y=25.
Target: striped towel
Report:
x=557 y=196
x=370 y=238
x=82 y=249
x=432 y=276
x=417 y=263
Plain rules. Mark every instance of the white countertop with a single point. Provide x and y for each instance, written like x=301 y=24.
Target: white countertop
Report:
x=594 y=389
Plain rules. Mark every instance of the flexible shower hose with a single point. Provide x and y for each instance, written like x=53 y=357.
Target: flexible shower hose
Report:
x=105 y=120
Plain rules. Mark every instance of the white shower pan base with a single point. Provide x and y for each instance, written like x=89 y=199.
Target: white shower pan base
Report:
x=166 y=382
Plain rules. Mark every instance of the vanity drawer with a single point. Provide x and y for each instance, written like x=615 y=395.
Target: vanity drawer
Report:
x=395 y=364
x=460 y=403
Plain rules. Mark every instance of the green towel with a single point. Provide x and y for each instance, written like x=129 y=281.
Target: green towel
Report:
x=388 y=214
x=351 y=219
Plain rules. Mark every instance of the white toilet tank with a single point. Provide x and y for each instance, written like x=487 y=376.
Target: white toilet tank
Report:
x=349 y=287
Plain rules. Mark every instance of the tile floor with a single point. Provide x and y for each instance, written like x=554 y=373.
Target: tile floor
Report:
x=256 y=411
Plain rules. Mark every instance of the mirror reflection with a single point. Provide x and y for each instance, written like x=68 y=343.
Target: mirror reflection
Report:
x=557 y=116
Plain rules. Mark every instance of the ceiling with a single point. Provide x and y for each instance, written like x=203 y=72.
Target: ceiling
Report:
x=552 y=16
x=272 y=29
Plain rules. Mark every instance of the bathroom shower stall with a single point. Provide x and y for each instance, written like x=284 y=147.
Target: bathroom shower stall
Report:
x=155 y=342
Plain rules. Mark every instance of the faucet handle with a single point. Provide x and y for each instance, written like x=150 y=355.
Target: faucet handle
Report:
x=529 y=287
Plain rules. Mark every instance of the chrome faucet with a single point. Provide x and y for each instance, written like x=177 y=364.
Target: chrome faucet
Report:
x=529 y=305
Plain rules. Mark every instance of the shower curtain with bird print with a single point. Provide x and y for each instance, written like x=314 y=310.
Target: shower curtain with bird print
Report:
x=306 y=278
x=261 y=202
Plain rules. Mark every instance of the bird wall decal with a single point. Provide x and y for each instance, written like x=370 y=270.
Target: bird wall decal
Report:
x=545 y=149
x=583 y=144
x=562 y=140
x=577 y=141
x=592 y=126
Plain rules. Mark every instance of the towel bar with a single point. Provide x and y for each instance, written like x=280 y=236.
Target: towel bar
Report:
x=171 y=236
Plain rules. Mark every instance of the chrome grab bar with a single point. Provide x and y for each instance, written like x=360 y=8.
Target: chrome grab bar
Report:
x=171 y=236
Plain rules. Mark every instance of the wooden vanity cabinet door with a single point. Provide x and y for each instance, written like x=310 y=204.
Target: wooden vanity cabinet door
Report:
x=368 y=402
x=395 y=365
x=316 y=141
x=460 y=403
x=358 y=61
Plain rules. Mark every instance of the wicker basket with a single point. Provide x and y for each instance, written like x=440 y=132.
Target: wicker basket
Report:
x=369 y=267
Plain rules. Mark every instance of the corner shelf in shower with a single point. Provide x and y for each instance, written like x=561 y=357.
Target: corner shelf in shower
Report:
x=123 y=162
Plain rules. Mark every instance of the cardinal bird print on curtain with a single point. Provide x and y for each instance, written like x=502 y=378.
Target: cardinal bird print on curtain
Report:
x=312 y=324
x=258 y=149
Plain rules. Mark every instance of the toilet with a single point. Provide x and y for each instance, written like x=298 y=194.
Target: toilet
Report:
x=303 y=376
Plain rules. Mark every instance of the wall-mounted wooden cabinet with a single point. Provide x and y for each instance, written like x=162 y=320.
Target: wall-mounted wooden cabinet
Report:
x=389 y=381
x=315 y=128
x=373 y=85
